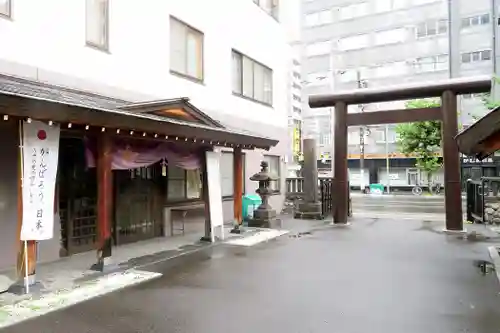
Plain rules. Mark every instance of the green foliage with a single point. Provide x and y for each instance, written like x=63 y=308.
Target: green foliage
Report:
x=421 y=139
x=487 y=99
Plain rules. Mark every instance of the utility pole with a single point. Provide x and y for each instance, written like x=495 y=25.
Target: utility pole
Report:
x=495 y=21
x=361 y=84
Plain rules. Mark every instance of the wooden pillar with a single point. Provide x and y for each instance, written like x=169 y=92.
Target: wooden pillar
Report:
x=451 y=156
x=238 y=185
x=206 y=199
x=340 y=195
x=104 y=201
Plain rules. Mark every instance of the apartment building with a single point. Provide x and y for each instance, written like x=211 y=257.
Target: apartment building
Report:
x=228 y=57
x=351 y=44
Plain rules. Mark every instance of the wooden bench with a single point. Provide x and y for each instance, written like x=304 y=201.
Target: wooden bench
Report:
x=183 y=210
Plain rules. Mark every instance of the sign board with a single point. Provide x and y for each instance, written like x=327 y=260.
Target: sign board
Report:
x=473 y=160
x=393 y=176
x=40 y=159
x=215 y=195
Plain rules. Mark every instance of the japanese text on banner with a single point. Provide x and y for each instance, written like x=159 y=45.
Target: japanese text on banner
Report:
x=40 y=158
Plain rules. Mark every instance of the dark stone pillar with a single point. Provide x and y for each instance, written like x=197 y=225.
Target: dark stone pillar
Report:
x=451 y=156
x=311 y=206
x=341 y=185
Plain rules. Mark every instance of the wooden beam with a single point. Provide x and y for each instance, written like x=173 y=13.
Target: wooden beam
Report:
x=238 y=185
x=481 y=84
x=62 y=113
x=393 y=116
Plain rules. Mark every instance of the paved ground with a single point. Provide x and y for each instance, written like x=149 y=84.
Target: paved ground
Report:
x=379 y=275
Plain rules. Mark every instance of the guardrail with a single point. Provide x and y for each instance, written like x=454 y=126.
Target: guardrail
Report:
x=483 y=200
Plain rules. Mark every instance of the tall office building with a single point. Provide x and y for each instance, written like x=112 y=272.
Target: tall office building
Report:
x=350 y=44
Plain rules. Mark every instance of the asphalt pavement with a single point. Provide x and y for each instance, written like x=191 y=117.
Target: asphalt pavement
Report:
x=378 y=275
x=406 y=206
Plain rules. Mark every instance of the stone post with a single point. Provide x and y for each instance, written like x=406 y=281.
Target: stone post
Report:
x=310 y=207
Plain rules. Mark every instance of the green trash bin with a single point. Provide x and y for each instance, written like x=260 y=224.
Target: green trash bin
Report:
x=377 y=189
x=250 y=203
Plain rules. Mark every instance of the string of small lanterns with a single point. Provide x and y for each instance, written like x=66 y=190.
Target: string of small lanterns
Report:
x=155 y=136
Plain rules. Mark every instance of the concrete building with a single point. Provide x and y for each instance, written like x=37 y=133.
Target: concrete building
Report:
x=349 y=44
x=234 y=68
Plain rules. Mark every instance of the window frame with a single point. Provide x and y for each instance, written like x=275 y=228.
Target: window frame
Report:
x=185 y=197
x=231 y=196
x=436 y=26
x=105 y=46
x=8 y=13
x=274 y=12
x=480 y=54
x=241 y=92
x=188 y=29
x=278 y=181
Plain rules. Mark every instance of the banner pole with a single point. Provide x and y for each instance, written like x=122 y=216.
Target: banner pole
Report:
x=21 y=150
x=26 y=281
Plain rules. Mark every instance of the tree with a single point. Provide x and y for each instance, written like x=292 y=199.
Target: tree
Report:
x=422 y=139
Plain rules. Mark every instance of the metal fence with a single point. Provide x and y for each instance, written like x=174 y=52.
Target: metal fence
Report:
x=483 y=200
x=295 y=191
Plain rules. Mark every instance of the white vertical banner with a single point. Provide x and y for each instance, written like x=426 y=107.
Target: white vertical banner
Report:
x=40 y=149
x=215 y=195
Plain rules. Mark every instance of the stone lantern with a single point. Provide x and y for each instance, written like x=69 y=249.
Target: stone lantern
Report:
x=264 y=214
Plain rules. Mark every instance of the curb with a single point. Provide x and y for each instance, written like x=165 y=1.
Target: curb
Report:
x=495 y=258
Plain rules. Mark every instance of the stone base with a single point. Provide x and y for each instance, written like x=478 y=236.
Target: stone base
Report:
x=19 y=288
x=340 y=225
x=236 y=229
x=309 y=210
x=455 y=232
x=262 y=218
x=105 y=266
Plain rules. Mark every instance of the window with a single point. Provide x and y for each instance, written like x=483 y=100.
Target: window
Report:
x=352 y=11
x=297 y=98
x=431 y=64
x=97 y=23
x=318 y=78
x=269 y=6
x=390 y=36
x=227 y=174
x=422 y=2
x=390 y=69
x=251 y=79
x=349 y=75
x=432 y=28
x=319 y=18
x=297 y=110
x=5 y=8
x=382 y=6
x=475 y=21
x=183 y=184
x=275 y=170
x=354 y=42
x=476 y=56
x=318 y=48
x=186 y=50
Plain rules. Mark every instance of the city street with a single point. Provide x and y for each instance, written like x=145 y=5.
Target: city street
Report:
x=405 y=206
x=379 y=275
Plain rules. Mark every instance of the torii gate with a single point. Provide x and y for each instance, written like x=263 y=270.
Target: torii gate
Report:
x=447 y=90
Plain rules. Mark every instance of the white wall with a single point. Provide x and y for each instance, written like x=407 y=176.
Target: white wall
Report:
x=50 y=35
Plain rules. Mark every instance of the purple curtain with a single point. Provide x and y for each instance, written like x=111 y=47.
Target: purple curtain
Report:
x=130 y=156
